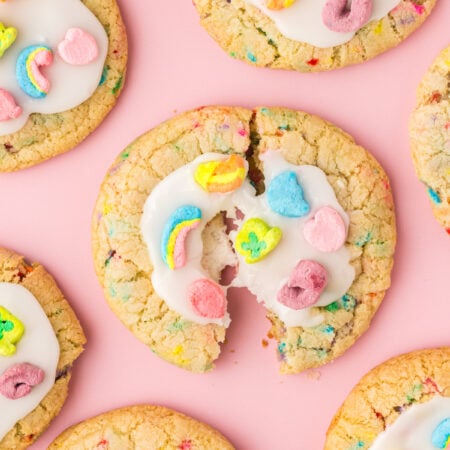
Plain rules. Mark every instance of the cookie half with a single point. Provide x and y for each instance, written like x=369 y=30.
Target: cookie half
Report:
x=430 y=136
x=302 y=214
x=310 y=35
x=59 y=77
x=143 y=426
x=403 y=403
x=40 y=340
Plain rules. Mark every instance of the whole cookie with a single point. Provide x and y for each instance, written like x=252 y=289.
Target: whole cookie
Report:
x=303 y=215
x=430 y=136
x=310 y=35
x=40 y=338
x=62 y=67
x=144 y=426
x=402 y=404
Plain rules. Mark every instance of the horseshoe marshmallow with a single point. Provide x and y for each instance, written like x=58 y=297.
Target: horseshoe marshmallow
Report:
x=338 y=17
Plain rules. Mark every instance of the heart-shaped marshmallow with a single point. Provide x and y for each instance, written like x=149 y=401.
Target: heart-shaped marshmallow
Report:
x=338 y=17
x=285 y=196
x=11 y=332
x=207 y=299
x=78 y=47
x=306 y=283
x=326 y=231
x=8 y=106
x=256 y=240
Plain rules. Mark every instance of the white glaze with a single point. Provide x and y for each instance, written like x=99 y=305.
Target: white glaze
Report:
x=45 y=22
x=414 y=427
x=303 y=21
x=264 y=278
x=38 y=346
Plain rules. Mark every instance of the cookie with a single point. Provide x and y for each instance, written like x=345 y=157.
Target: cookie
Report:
x=302 y=215
x=144 y=426
x=430 y=136
x=40 y=338
x=310 y=35
x=62 y=68
x=402 y=404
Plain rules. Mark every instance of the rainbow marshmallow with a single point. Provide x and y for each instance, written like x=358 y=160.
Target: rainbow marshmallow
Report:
x=28 y=74
x=176 y=229
x=441 y=435
x=221 y=176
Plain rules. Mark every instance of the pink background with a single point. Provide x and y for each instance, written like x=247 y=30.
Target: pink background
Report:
x=174 y=65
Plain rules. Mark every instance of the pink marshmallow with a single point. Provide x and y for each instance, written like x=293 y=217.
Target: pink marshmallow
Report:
x=78 y=47
x=326 y=231
x=8 y=107
x=18 y=380
x=337 y=17
x=42 y=59
x=179 y=253
x=305 y=285
x=207 y=299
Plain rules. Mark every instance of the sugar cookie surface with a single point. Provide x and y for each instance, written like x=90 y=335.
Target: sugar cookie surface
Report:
x=248 y=30
x=125 y=269
x=51 y=330
x=144 y=426
x=46 y=134
x=430 y=136
x=401 y=404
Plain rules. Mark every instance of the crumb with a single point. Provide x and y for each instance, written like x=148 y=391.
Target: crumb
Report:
x=313 y=375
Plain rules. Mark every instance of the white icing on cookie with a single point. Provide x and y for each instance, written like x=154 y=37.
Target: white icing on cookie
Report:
x=45 y=22
x=303 y=22
x=38 y=346
x=413 y=430
x=264 y=278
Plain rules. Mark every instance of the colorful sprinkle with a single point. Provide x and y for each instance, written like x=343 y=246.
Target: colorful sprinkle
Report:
x=28 y=73
x=305 y=285
x=78 y=48
x=362 y=241
x=337 y=17
x=441 y=435
x=326 y=230
x=19 y=380
x=7 y=38
x=285 y=196
x=186 y=444
x=251 y=57
x=221 y=176
x=11 y=331
x=420 y=9
x=256 y=240
x=207 y=299
x=434 y=196
x=117 y=86
x=177 y=227
x=312 y=62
